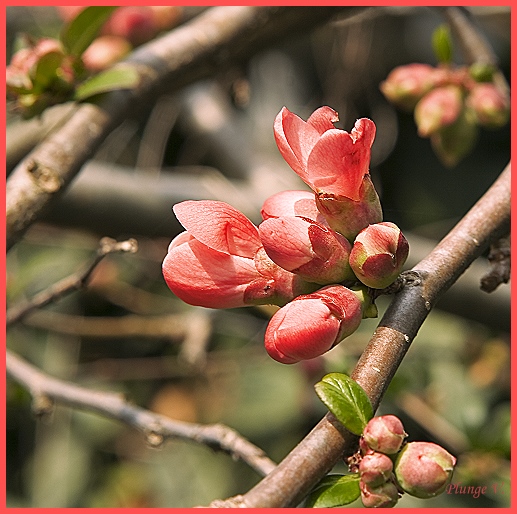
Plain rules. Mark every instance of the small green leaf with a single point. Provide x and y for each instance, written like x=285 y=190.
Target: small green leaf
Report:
x=119 y=77
x=442 y=44
x=45 y=71
x=334 y=491
x=346 y=399
x=83 y=29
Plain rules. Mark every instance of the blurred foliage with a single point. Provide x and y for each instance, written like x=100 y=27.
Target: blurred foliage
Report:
x=452 y=388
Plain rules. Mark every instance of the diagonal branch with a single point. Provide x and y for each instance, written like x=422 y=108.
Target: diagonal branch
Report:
x=46 y=390
x=425 y=283
x=211 y=42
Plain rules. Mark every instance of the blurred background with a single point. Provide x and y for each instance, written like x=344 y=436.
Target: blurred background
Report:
x=214 y=140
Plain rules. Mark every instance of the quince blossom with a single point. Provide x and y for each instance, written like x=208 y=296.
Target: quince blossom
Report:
x=219 y=262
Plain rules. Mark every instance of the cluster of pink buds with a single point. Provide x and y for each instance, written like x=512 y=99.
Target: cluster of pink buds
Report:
x=315 y=254
x=390 y=467
x=40 y=74
x=449 y=103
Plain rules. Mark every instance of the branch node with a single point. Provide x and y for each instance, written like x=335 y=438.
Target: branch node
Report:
x=500 y=263
x=46 y=178
x=42 y=406
x=108 y=245
x=154 y=436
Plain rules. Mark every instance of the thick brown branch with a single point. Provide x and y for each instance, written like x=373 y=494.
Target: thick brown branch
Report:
x=198 y=49
x=315 y=455
x=157 y=428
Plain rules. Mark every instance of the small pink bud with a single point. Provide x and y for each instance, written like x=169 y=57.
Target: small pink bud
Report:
x=311 y=250
x=438 y=109
x=385 y=495
x=490 y=105
x=406 y=85
x=375 y=469
x=384 y=434
x=424 y=469
x=378 y=254
x=105 y=51
x=312 y=324
x=136 y=23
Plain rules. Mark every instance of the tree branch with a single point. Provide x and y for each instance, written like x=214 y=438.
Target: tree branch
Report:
x=315 y=455
x=215 y=39
x=71 y=283
x=46 y=390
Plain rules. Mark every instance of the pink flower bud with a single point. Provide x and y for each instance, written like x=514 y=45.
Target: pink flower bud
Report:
x=490 y=105
x=384 y=434
x=406 y=85
x=378 y=254
x=438 y=109
x=292 y=203
x=105 y=51
x=312 y=324
x=307 y=248
x=424 y=469
x=385 y=495
x=375 y=469
x=334 y=164
x=136 y=23
x=219 y=262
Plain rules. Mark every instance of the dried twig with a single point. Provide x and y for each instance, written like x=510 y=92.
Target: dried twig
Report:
x=321 y=449
x=72 y=283
x=46 y=390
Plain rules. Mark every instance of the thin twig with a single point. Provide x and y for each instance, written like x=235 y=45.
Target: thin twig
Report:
x=46 y=390
x=328 y=442
x=71 y=283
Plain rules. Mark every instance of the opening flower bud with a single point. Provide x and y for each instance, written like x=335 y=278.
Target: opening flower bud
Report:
x=424 y=469
x=312 y=324
x=378 y=254
x=385 y=495
x=490 y=105
x=384 y=434
x=311 y=250
x=375 y=469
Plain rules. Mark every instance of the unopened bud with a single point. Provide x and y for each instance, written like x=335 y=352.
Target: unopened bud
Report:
x=406 y=85
x=424 y=469
x=312 y=324
x=384 y=434
x=378 y=254
x=375 y=469
x=438 y=109
x=385 y=495
x=490 y=105
x=105 y=51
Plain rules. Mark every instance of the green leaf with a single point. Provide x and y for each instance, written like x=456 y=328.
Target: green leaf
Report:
x=45 y=71
x=83 y=29
x=119 y=77
x=346 y=399
x=334 y=491
x=442 y=44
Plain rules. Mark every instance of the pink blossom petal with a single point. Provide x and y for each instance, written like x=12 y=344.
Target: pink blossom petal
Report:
x=286 y=241
x=219 y=226
x=202 y=276
x=337 y=166
x=323 y=119
x=292 y=203
x=295 y=139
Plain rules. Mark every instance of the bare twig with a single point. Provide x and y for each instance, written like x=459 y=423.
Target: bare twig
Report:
x=46 y=390
x=315 y=455
x=500 y=260
x=216 y=38
x=473 y=43
x=72 y=283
